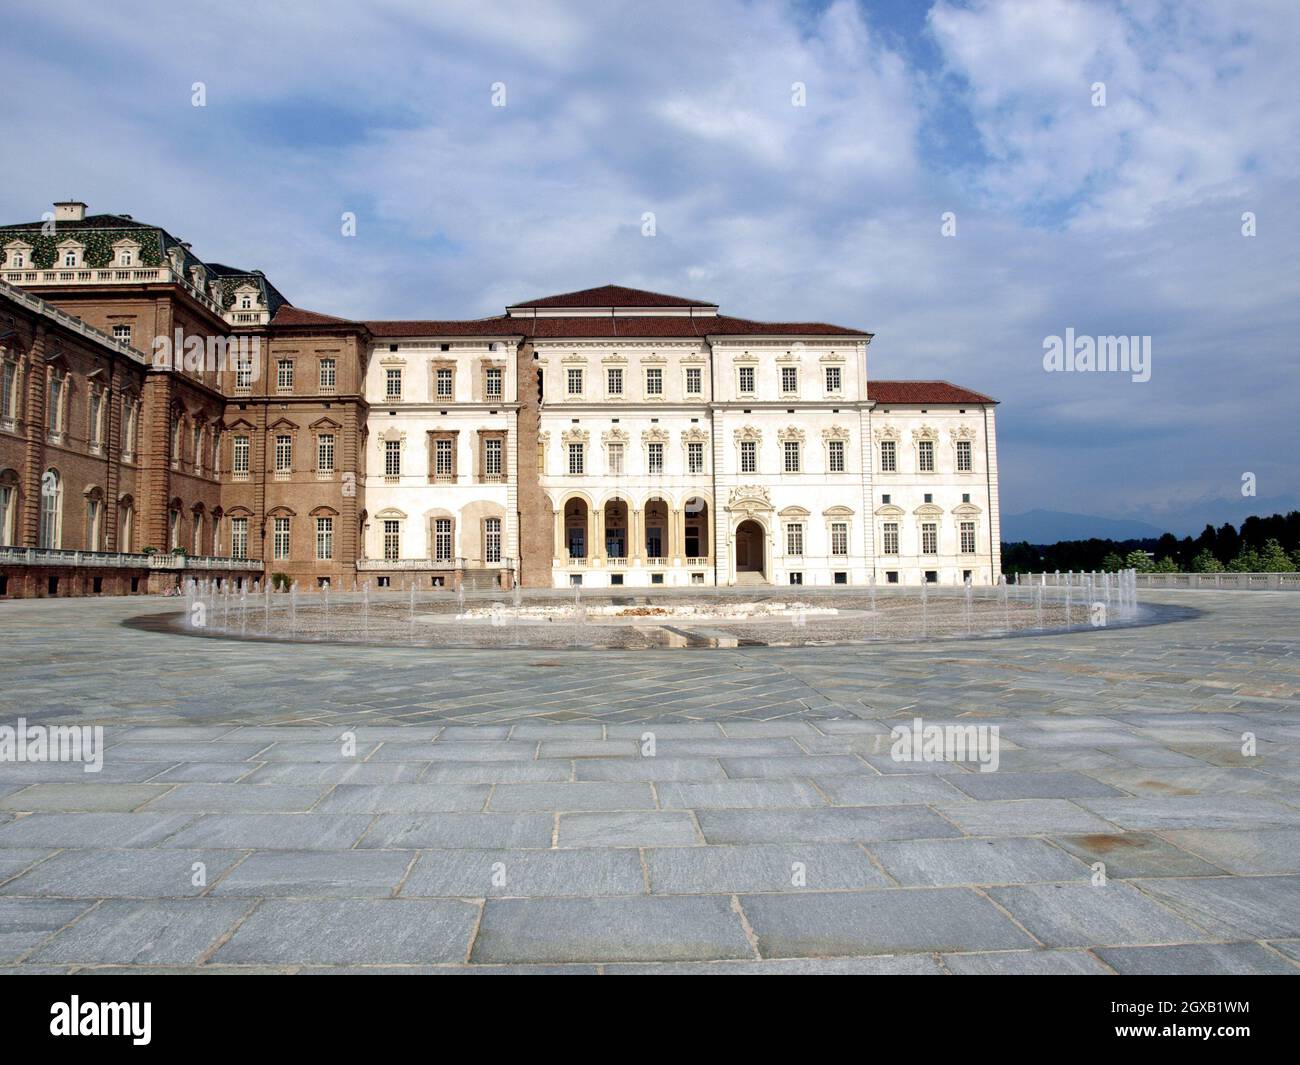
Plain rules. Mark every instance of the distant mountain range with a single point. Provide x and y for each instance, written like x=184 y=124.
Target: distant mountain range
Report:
x=1052 y=526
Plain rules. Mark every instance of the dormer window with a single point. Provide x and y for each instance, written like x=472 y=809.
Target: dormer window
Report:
x=245 y=303
x=16 y=255
x=69 y=258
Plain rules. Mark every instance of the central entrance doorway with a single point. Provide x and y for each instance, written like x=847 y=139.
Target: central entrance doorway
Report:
x=749 y=548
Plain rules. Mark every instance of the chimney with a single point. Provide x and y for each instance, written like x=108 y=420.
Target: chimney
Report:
x=70 y=211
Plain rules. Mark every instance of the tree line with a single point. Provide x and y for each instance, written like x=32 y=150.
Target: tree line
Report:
x=1260 y=545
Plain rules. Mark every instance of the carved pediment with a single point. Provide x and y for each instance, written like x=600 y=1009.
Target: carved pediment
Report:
x=749 y=497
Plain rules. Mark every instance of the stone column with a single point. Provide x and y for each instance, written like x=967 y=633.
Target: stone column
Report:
x=636 y=536
x=560 y=551
x=596 y=549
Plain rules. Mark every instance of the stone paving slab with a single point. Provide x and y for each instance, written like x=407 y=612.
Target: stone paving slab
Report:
x=879 y=922
x=1229 y=959
x=353 y=931
x=525 y=873
x=952 y=862
x=697 y=928
x=300 y=808
x=1080 y=915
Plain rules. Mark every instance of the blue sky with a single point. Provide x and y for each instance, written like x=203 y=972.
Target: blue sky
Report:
x=1123 y=219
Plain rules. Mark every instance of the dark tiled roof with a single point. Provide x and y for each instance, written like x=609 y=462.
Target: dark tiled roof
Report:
x=612 y=296
x=500 y=326
x=290 y=315
x=581 y=327
x=936 y=392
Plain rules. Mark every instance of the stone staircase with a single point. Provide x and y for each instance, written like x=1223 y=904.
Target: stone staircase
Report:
x=481 y=578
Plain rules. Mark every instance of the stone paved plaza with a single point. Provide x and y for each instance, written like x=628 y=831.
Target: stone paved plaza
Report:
x=499 y=812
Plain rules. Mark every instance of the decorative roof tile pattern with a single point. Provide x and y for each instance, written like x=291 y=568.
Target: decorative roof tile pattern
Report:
x=936 y=392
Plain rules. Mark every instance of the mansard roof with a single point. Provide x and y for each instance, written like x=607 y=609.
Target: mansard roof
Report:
x=936 y=392
x=611 y=296
x=98 y=233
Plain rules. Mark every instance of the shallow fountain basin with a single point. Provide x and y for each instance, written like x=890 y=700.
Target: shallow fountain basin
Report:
x=613 y=612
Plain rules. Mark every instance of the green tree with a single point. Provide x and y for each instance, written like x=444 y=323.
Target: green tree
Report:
x=1165 y=565
x=1138 y=560
x=1112 y=563
x=1205 y=562
x=1247 y=561
x=1272 y=559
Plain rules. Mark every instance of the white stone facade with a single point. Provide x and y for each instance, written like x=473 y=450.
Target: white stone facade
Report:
x=440 y=473
x=673 y=447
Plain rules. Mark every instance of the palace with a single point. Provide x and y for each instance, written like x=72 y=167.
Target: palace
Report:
x=610 y=437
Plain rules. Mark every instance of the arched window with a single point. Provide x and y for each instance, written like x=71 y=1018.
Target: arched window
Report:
x=125 y=521
x=51 y=509
x=8 y=506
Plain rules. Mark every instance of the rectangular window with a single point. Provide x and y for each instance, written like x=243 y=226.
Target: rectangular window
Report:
x=283 y=453
x=492 y=540
x=577 y=463
x=280 y=539
x=392 y=458
x=284 y=375
x=694 y=381
x=889 y=542
x=238 y=537
x=56 y=404
x=925 y=456
x=442 y=457
x=746 y=380
x=492 y=456
x=494 y=382
x=614 y=380
x=695 y=457
x=96 y=407
x=325 y=453
x=789 y=380
x=328 y=375
x=122 y=334
x=443 y=382
x=574 y=379
x=655 y=458
x=839 y=538
x=794 y=539
x=654 y=381
x=9 y=392
x=239 y=461
x=392 y=539
x=835 y=455
x=968 y=538
x=929 y=538
x=393 y=383
x=963 y=456
x=748 y=456
x=888 y=456
x=243 y=373
x=791 y=451
x=615 y=452
x=442 y=540
x=324 y=539
x=834 y=379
